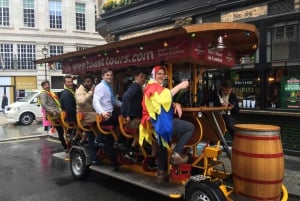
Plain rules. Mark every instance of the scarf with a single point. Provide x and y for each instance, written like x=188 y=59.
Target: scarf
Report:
x=70 y=90
x=54 y=97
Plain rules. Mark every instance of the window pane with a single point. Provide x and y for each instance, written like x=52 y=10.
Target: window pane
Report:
x=26 y=56
x=80 y=16
x=55 y=14
x=56 y=50
x=4 y=13
x=6 y=56
x=28 y=10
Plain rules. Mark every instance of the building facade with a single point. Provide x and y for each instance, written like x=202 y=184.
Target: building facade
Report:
x=269 y=79
x=34 y=29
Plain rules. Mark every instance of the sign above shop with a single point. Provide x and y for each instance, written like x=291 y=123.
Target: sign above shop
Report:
x=244 y=13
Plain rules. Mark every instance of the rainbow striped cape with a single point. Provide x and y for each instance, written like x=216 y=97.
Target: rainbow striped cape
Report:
x=157 y=117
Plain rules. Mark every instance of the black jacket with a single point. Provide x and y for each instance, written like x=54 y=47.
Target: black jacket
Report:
x=132 y=101
x=214 y=97
x=68 y=104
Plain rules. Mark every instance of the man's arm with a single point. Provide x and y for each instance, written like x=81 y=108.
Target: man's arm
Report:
x=82 y=97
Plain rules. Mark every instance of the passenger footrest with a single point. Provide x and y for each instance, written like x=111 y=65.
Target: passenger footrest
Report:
x=181 y=172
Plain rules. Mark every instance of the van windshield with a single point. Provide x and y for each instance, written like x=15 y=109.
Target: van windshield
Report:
x=28 y=97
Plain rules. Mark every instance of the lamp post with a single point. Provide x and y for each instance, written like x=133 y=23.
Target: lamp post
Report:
x=45 y=52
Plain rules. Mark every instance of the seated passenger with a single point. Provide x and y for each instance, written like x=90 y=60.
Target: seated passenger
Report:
x=158 y=108
x=84 y=104
x=68 y=103
x=104 y=102
x=132 y=112
x=50 y=103
x=132 y=109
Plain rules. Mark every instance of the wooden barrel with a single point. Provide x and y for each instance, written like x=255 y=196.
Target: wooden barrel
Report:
x=257 y=161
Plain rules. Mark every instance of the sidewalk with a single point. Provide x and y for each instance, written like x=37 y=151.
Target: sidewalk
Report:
x=291 y=174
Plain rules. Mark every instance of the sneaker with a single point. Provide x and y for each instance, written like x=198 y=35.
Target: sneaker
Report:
x=176 y=158
x=131 y=156
x=99 y=143
x=162 y=176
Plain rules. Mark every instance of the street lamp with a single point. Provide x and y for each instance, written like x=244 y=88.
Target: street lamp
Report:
x=45 y=52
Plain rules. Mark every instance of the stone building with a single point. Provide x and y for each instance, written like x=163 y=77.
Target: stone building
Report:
x=34 y=29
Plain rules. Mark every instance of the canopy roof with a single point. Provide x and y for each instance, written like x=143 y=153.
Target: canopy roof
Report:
x=241 y=38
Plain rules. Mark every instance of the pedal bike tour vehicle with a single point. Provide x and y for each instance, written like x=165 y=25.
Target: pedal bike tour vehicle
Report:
x=252 y=169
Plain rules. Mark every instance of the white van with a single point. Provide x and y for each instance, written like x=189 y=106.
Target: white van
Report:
x=25 y=110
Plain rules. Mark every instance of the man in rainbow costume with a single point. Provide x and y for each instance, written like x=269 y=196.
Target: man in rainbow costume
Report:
x=158 y=120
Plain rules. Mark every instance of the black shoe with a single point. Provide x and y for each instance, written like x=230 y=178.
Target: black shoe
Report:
x=95 y=162
x=83 y=142
x=100 y=144
x=131 y=156
x=116 y=168
x=152 y=163
x=119 y=145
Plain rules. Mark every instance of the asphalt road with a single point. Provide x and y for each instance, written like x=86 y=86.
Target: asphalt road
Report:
x=29 y=173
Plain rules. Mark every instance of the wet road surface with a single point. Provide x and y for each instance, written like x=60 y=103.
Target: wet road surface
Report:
x=29 y=173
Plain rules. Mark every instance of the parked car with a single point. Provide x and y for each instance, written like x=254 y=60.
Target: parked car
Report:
x=25 y=110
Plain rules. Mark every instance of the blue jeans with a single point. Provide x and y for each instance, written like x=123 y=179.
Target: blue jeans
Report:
x=183 y=131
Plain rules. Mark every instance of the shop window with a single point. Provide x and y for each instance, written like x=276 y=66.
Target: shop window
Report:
x=247 y=87
x=291 y=31
x=285 y=41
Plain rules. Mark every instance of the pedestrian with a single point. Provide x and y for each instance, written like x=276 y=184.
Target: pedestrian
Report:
x=158 y=111
x=46 y=123
x=4 y=102
x=50 y=102
x=224 y=96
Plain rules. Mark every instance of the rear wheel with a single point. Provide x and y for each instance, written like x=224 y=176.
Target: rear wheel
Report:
x=204 y=191
x=26 y=118
x=78 y=165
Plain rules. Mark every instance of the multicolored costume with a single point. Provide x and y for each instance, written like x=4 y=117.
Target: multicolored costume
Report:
x=157 y=117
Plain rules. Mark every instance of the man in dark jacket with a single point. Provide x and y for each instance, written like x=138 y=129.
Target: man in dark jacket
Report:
x=68 y=102
x=224 y=96
x=132 y=107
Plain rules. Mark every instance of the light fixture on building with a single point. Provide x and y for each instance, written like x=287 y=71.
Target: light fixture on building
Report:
x=45 y=53
x=217 y=44
x=165 y=44
x=220 y=43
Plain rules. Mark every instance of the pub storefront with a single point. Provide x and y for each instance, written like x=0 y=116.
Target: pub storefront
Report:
x=267 y=82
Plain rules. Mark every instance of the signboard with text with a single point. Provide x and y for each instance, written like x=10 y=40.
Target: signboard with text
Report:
x=290 y=93
x=179 y=49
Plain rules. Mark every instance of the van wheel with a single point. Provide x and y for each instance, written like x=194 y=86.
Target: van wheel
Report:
x=204 y=191
x=26 y=118
x=78 y=165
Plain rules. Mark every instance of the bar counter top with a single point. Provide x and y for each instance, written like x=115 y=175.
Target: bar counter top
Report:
x=274 y=112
